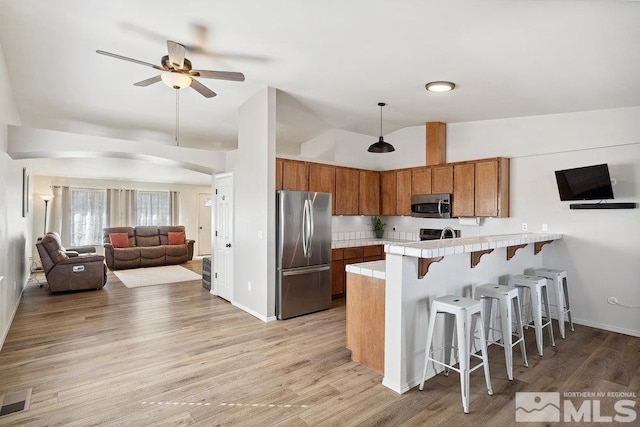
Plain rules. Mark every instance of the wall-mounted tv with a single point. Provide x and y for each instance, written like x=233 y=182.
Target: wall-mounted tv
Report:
x=585 y=183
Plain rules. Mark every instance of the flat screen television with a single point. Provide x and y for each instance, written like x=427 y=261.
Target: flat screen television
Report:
x=585 y=183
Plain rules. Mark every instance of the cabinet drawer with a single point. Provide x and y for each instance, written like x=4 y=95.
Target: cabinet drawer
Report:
x=353 y=253
x=337 y=254
x=375 y=250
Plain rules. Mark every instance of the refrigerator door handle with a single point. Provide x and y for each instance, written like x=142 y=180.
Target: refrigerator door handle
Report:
x=305 y=222
x=311 y=221
x=299 y=271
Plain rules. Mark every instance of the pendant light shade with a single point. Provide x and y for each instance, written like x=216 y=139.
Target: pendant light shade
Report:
x=381 y=146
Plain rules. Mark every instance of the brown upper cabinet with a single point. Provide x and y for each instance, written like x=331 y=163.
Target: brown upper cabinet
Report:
x=388 y=193
x=463 y=189
x=481 y=188
x=403 y=192
x=421 y=181
x=492 y=187
x=442 y=179
x=295 y=175
x=347 y=188
x=279 y=174
x=369 y=203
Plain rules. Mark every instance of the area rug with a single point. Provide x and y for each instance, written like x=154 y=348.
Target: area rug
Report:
x=138 y=277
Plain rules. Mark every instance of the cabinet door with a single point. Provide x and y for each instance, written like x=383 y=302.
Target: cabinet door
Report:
x=294 y=175
x=322 y=178
x=442 y=179
x=492 y=187
x=403 y=192
x=421 y=181
x=278 y=174
x=388 y=193
x=338 y=275
x=347 y=188
x=369 y=203
x=463 y=189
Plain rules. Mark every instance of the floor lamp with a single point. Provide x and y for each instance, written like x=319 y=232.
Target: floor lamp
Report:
x=47 y=198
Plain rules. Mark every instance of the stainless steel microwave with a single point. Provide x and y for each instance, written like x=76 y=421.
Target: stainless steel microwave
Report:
x=431 y=205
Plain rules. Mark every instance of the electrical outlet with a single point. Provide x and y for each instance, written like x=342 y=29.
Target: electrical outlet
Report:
x=545 y=227
x=612 y=300
x=524 y=226
x=249 y=286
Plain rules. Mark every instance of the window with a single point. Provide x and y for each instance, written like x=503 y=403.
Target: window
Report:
x=153 y=208
x=88 y=216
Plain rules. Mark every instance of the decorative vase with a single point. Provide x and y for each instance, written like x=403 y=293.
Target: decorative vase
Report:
x=379 y=233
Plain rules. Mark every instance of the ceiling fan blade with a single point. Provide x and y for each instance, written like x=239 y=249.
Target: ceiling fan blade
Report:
x=202 y=89
x=220 y=75
x=176 y=54
x=148 y=82
x=124 y=58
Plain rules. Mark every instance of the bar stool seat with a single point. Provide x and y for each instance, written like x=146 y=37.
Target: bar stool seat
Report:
x=538 y=295
x=561 y=291
x=510 y=309
x=460 y=311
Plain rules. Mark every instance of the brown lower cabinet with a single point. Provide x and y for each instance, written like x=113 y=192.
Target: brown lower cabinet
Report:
x=342 y=257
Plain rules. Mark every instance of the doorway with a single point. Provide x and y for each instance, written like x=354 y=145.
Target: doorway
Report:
x=205 y=204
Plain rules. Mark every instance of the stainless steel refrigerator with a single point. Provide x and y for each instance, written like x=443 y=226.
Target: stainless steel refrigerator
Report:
x=303 y=257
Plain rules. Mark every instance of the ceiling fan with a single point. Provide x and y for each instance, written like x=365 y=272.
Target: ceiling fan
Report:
x=177 y=71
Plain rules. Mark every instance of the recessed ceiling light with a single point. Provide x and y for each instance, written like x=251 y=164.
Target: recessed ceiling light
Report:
x=440 y=86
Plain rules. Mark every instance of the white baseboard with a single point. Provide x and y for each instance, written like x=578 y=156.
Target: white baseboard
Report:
x=610 y=328
x=253 y=313
x=15 y=310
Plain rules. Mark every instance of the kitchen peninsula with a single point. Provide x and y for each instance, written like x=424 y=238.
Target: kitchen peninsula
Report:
x=415 y=273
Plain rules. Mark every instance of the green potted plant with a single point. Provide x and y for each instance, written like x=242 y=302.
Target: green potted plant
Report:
x=378 y=226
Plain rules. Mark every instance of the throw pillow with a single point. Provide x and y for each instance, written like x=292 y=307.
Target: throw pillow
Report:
x=119 y=240
x=175 y=237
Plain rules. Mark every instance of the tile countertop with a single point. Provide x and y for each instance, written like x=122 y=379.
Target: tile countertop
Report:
x=338 y=244
x=460 y=245
x=375 y=269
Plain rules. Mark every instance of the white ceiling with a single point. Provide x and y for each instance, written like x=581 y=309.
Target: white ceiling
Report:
x=334 y=58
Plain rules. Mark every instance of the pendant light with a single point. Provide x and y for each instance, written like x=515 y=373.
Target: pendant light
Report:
x=381 y=146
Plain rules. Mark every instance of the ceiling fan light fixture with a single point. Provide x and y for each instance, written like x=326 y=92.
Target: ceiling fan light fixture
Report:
x=381 y=146
x=176 y=80
x=440 y=86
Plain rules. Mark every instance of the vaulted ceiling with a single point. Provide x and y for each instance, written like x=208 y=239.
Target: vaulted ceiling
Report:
x=333 y=59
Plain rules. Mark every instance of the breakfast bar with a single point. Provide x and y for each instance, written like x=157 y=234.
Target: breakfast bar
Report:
x=415 y=273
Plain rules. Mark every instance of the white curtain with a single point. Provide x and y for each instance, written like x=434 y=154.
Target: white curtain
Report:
x=154 y=208
x=88 y=216
x=60 y=214
x=174 y=197
x=121 y=208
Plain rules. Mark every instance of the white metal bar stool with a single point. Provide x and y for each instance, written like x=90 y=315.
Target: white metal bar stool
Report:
x=461 y=311
x=538 y=295
x=561 y=290
x=510 y=309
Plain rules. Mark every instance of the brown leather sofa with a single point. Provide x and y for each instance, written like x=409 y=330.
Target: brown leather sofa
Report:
x=148 y=246
x=68 y=270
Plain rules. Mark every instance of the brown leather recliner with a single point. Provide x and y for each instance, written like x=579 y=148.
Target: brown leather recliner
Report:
x=68 y=270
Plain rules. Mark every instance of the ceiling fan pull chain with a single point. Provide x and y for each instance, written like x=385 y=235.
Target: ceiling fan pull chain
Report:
x=177 y=116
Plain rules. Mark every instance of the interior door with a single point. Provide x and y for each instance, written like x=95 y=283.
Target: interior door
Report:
x=204 y=223
x=223 y=238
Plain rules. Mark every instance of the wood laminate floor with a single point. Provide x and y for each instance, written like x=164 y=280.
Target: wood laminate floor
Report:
x=172 y=355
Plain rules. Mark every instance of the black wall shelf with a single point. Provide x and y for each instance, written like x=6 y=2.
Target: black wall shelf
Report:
x=624 y=205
